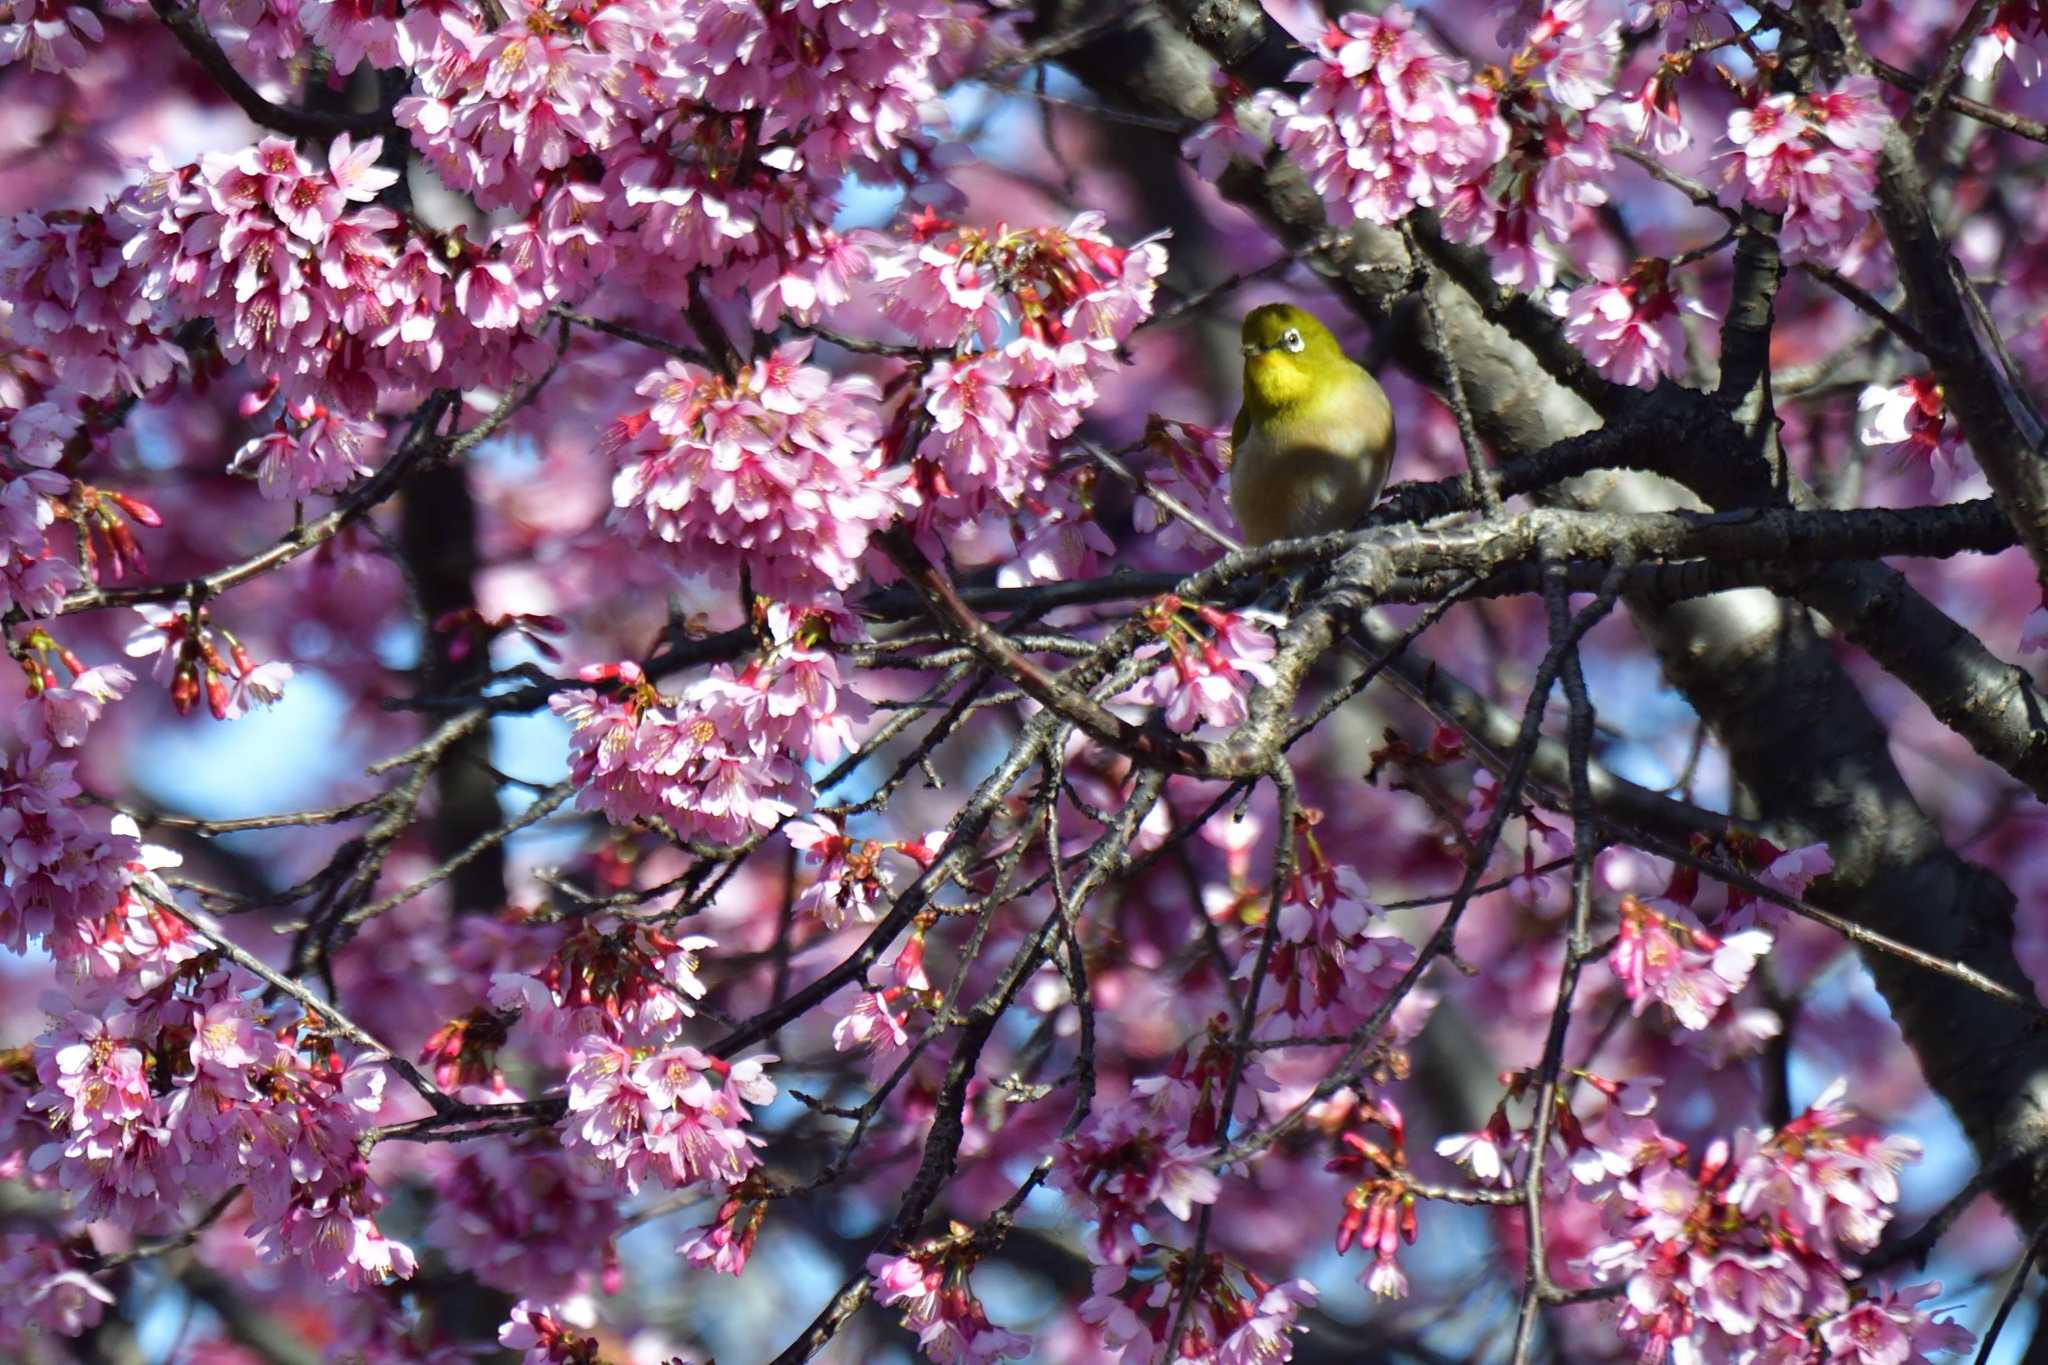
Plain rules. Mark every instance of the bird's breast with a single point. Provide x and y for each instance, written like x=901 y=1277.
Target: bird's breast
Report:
x=1290 y=479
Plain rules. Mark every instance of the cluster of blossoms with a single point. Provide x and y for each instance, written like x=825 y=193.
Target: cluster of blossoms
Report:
x=325 y=291
x=1630 y=328
x=1742 y=1256
x=552 y=1334
x=624 y=978
x=77 y=340
x=282 y=256
x=724 y=761
x=189 y=655
x=48 y=35
x=1232 y=1316
x=1379 y=1210
x=1390 y=123
x=673 y=1114
x=59 y=712
x=641 y=1104
x=1662 y=953
x=1744 y=1253
x=69 y=872
x=191 y=1087
x=1206 y=677
x=930 y=1285
x=1335 y=957
x=82 y=316
x=724 y=1244
x=53 y=1286
x=1813 y=159
x=526 y=1217
x=1155 y=1150
x=777 y=472
x=1622 y=1138
x=1557 y=160
x=992 y=413
x=309 y=449
x=1126 y=1158
x=1693 y=958
x=850 y=878
x=500 y=110
x=33 y=579
x=99 y=906
x=717 y=134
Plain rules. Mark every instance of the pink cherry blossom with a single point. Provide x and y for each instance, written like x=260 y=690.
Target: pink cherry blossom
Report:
x=1662 y=955
x=58 y=1294
x=1743 y=1252
x=1122 y=1161
x=550 y=1334
x=611 y=976
x=777 y=470
x=1389 y=124
x=1892 y=1328
x=727 y=1241
x=1207 y=677
x=1913 y=421
x=309 y=450
x=1630 y=328
x=1811 y=160
x=675 y=1115
x=47 y=35
x=938 y=1304
x=2013 y=35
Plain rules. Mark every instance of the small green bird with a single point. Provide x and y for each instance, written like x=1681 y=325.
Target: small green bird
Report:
x=1314 y=439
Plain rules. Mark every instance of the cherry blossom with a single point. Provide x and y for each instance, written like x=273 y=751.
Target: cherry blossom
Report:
x=2015 y=28
x=610 y=976
x=59 y=1295
x=1389 y=124
x=676 y=1114
x=932 y=1290
x=1208 y=676
x=1661 y=954
x=1912 y=420
x=551 y=1334
x=1630 y=328
x=727 y=1241
x=1234 y=1318
x=236 y=1093
x=1810 y=160
x=776 y=470
x=1124 y=1160
x=1793 y=1199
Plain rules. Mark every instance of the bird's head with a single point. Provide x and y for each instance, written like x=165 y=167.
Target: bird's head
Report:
x=1287 y=356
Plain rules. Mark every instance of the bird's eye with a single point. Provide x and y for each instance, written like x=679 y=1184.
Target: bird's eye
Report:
x=1291 y=339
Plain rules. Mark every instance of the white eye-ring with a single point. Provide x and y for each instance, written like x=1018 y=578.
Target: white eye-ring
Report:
x=1291 y=339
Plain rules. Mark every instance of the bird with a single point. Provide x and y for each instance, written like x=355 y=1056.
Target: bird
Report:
x=1314 y=437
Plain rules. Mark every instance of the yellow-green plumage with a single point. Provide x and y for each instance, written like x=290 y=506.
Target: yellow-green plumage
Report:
x=1313 y=441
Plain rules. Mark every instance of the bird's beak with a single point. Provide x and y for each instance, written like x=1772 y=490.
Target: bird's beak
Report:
x=1250 y=349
